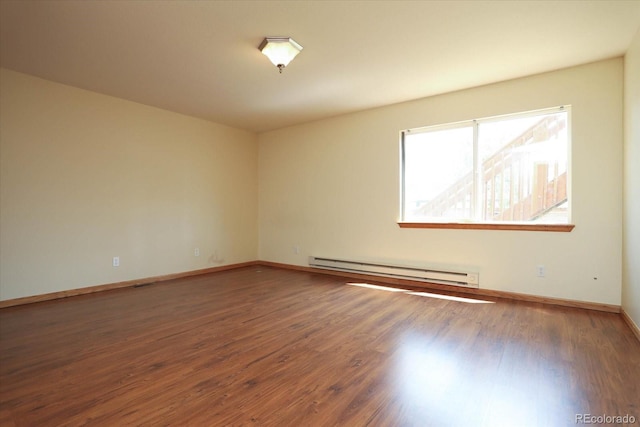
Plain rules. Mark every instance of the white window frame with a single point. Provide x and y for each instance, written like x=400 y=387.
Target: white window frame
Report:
x=477 y=187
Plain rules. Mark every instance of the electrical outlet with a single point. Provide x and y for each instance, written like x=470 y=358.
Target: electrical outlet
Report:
x=296 y=249
x=116 y=261
x=196 y=252
x=540 y=270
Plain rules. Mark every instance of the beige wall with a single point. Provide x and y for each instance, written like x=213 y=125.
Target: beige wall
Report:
x=85 y=177
x=332 y=188
x=631 y=247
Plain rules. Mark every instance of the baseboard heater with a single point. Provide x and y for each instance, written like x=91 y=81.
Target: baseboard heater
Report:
x=441 y=276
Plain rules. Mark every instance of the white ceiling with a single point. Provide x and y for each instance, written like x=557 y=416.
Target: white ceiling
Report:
x=201 y=58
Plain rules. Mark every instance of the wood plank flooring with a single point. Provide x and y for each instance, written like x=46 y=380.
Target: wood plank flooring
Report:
x=272 y=347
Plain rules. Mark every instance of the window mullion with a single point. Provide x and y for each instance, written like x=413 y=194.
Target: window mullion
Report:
x=476 y=207
x=403 y=177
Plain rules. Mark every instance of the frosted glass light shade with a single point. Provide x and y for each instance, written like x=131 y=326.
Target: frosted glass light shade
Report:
x=280 y=50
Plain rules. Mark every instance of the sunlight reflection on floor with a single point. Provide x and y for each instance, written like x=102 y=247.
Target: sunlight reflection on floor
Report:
x=436 y=385
x=421 y=294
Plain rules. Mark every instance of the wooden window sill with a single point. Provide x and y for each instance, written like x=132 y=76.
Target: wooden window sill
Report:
x=565 y=228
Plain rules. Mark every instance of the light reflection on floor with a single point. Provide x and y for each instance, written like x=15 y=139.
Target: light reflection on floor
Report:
x=377 y=287
x=423 y=379
x=437 y=385
x=451 y=374
x=420 y=294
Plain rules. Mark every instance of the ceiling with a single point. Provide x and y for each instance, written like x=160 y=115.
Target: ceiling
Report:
x=201 y=58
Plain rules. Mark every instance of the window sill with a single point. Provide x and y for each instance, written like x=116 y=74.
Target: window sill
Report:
x=564 y=228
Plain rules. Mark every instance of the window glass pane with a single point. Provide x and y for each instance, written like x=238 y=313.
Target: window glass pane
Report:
x=505 y=169
x=523 y=168
x=438 y=174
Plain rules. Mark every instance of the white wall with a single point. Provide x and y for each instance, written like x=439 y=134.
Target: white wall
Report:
x=85 y=177
x=332 y=187
x=631 y=247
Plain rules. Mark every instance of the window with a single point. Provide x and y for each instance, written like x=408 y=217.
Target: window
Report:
x=507 y=169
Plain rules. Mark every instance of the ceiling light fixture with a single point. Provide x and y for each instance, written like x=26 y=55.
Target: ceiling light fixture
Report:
x=280 y=50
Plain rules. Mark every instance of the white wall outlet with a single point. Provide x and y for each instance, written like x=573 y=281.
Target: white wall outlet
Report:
x=116 y=261
x=541 y=271
x=196 y=252
x=296 y=249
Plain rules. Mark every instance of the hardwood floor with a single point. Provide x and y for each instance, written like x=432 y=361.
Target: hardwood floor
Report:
x=265 y=346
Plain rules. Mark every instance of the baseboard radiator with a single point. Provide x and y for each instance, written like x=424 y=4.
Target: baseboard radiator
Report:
x=441 y=276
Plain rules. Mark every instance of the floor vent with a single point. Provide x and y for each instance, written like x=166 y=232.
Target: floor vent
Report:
x=442 y=276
